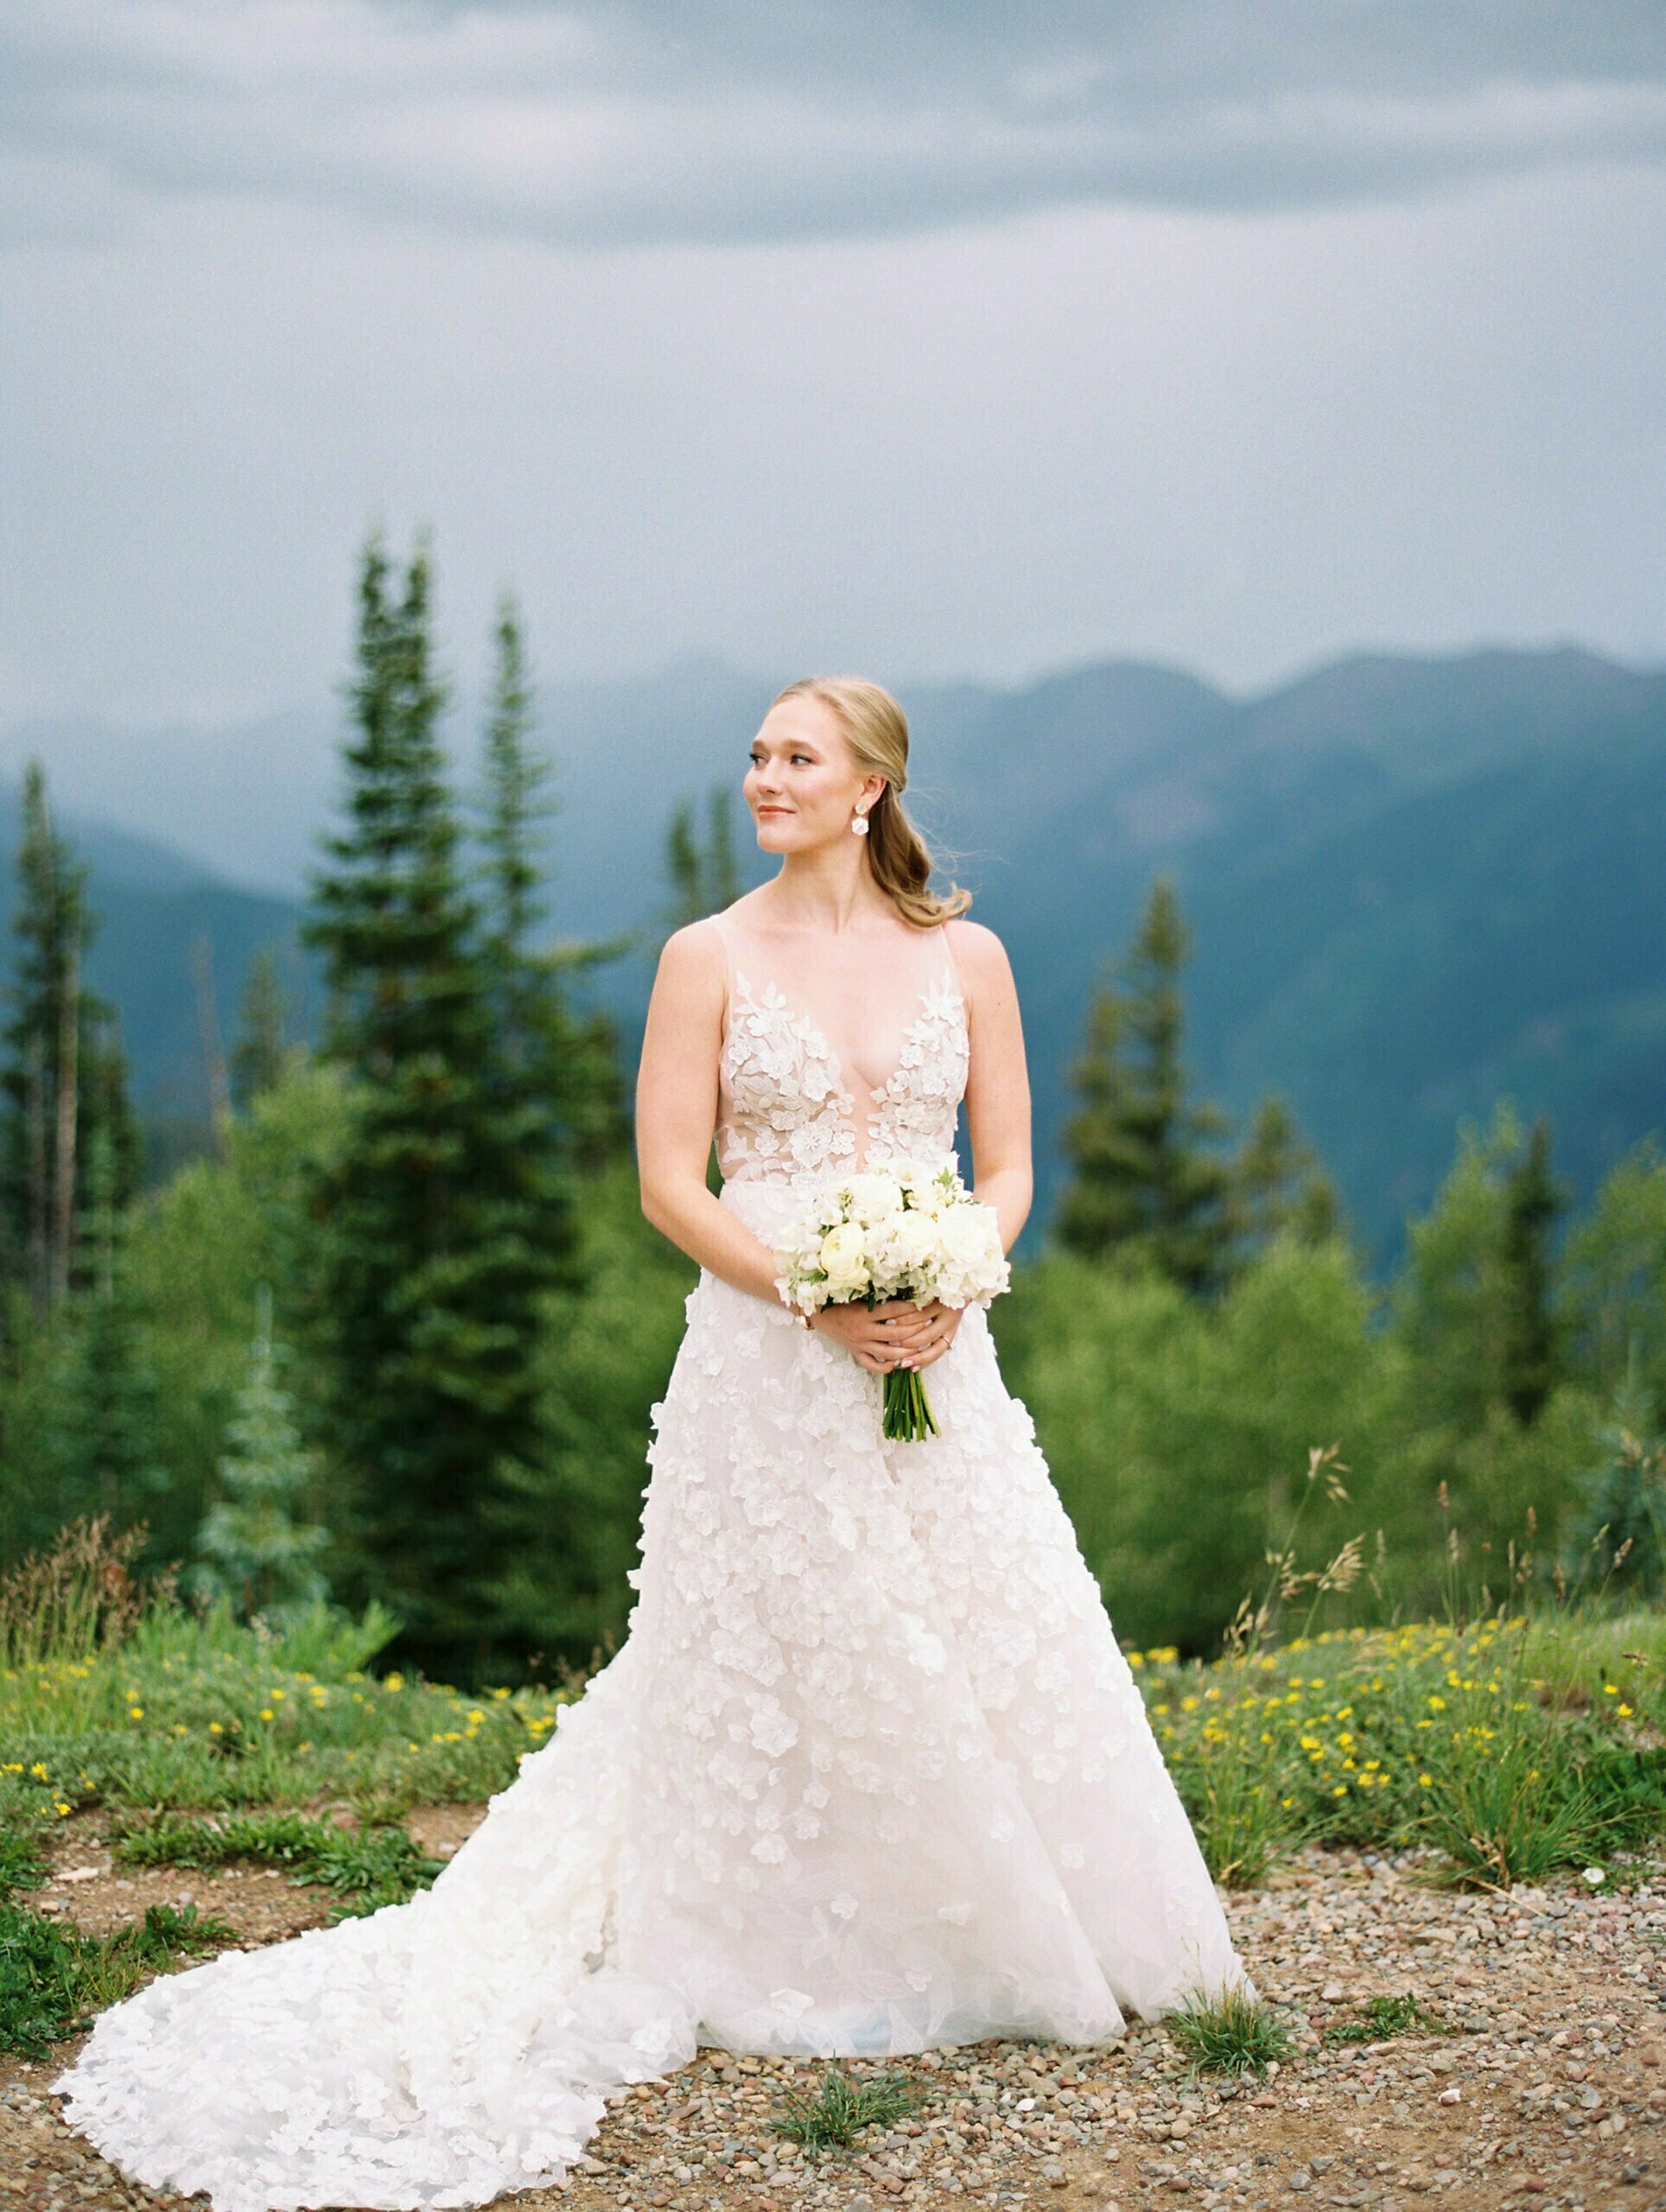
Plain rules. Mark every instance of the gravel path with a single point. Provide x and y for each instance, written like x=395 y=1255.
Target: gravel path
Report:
x=1548 y=2091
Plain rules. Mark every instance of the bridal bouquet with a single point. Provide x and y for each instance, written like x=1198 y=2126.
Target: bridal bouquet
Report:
x=903 y=1229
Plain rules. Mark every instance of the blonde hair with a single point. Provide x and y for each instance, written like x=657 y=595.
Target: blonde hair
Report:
x=877 y=730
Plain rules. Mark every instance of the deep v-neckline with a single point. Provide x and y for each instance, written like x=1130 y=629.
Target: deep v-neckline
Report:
x=812 y=1033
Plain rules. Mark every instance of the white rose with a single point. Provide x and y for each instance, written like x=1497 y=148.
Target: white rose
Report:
x=844 y=1260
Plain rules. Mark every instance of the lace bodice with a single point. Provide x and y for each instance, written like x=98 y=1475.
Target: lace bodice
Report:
x=786 y=1113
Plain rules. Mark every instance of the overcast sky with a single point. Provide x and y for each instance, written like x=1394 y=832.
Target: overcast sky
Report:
x=925 y=339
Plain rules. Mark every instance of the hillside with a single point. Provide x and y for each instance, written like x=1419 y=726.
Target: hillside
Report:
x=1457 y=896
x=153 y=906
x=1414 y=882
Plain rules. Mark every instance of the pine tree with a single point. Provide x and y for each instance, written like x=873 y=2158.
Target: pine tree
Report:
x=1456 y=1298
x=723 y=869
x=1533 y=1198
x=547 y=1095
x=564 y=1065
x=553 y=1073
x=1104 y=1207
x=1618 y=1537
x=447 y=1217
x=565 y=1060
x=252 y=1549
x=104 y=1442
x=515 y=802
x=704 y=875
x=106 y=1109
x=405 y=1020
x=261 y=1050
x=1475 y=1301
x=1612 y=1293
x=65 y=1076
x=1278 y=1185
x=1142 y=1182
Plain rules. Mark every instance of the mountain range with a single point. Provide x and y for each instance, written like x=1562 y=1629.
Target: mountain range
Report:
x=1414 y=883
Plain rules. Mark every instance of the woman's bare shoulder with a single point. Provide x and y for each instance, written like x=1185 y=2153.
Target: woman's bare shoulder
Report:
x=692 y=958
x=978 y=952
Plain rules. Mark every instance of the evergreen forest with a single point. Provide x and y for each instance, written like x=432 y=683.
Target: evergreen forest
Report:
x=394 y=1336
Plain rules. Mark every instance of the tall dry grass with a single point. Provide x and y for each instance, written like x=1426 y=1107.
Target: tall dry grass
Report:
x=79 y=1597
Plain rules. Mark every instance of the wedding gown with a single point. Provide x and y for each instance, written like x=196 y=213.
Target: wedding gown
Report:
x=869 y=1775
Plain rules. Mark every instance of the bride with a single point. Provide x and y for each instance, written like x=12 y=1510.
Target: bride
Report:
x=869 y=1773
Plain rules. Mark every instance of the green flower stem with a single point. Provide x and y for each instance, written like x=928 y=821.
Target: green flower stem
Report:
x=908 y=1417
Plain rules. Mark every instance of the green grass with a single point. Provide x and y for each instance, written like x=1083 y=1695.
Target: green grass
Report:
x=200 y=1713
x=842 y=2108
x=367 y=1868
x=54 y=1980
x=1385 y=2017
x=1514 y=1747
x=1510 y=1748
x=1228 y=2033
x=1245 y=1823
x=21 y=1866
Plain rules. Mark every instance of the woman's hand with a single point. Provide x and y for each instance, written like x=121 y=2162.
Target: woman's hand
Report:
x=897 y=1333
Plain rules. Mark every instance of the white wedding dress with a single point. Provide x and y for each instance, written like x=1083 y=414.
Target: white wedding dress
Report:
x=869 y=1773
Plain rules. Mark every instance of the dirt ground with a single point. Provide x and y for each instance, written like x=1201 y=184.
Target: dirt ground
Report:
x=1547 y=2091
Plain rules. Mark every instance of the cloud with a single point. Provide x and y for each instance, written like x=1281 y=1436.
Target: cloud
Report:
x=603 y=123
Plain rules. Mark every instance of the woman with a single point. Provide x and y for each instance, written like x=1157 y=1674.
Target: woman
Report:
x=869 y=1772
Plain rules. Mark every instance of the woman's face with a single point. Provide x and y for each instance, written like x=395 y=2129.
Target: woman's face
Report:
x=803 y=784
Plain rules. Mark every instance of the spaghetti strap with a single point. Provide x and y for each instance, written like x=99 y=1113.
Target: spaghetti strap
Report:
x=728 y=944
x=954 y=965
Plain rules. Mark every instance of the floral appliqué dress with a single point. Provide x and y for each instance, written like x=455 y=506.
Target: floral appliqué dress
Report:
x=868 y=1774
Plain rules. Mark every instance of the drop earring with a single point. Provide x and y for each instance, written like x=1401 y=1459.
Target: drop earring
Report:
x=859 y=827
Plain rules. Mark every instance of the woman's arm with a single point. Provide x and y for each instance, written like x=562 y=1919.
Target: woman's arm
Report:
x=997 y=1082
x=997 y=1112
x=676 y=1114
